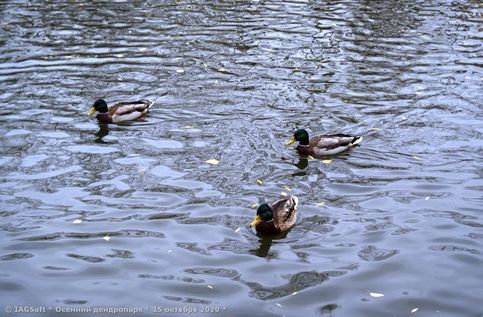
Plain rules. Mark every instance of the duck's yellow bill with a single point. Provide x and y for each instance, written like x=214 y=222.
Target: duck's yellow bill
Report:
x=292 y=140
x=91 y=112
x=255 y=221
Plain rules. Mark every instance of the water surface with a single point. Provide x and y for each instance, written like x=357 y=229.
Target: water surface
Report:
x=398 y=216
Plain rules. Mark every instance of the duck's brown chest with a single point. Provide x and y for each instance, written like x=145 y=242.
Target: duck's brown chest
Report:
x=305 y=150
x=267 y=228
x=104 y=118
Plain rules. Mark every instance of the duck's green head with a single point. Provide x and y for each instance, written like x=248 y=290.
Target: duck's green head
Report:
x=100 y=106
x=300 y=135
x=264 y=213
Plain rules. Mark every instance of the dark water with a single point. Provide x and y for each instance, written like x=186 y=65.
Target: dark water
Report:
x=398 y=216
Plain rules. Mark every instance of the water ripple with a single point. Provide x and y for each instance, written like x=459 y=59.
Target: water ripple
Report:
x=232 y=81
x=297 y=282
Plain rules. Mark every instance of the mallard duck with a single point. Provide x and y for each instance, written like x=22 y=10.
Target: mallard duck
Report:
x=279 y=217
x=323 y=144
x=120 y=111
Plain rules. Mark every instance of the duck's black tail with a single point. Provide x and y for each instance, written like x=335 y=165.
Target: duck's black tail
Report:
x=357 y=139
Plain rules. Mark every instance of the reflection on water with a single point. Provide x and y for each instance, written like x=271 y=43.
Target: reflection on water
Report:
x=96 y=215
x=103 y=131
x=265 y=243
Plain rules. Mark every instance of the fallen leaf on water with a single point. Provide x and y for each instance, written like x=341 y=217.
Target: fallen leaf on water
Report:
x=259 y=181
x=180 y=71
x=376 y=294
x=106 y=237
x=287 y=188
x=311 y=157
x=414 y=310
x=77 y=221
x=416 y=158
x=327 y=161
x=213 y=162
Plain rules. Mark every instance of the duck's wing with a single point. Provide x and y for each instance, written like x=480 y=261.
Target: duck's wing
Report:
x=128 y=111
x=285 y=212
x=329 y=144
x=125 y=107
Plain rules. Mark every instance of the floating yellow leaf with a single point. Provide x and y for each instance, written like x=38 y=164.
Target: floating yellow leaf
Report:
x=376 y=294
x=221 y=69
x=180 y=71
x=327 y=161
x=77 y=221
x=287 y=188
x=106 y=237
x=213 y=162
x=311 y=157
x=210 y=287
x=414 y=310
x=259 y=181
x=416 y=158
